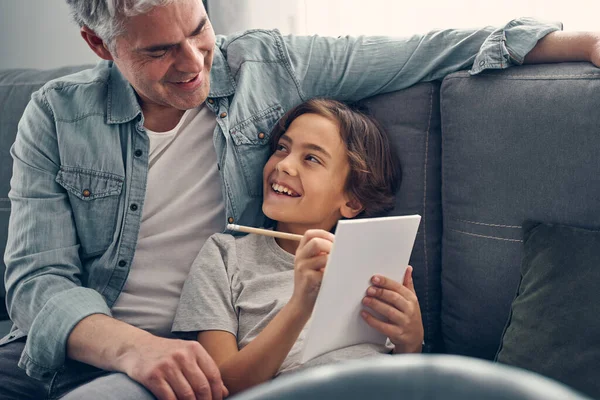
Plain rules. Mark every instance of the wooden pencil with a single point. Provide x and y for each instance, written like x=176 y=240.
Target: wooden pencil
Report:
x=265 y=232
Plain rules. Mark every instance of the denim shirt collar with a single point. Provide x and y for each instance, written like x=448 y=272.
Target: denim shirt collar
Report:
x=221 y=81
x=122 y=105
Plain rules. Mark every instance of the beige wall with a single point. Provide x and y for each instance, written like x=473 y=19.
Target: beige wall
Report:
x=40 y=34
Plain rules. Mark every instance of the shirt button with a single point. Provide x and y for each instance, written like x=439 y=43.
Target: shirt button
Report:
x=86 y=193
x=133 y=207
x=261 y=135
x=223 y=115
x=482 y=63
x=138 y=153
x=122 y=263
x=219 y=167
x=230 y=220
x=211 y=101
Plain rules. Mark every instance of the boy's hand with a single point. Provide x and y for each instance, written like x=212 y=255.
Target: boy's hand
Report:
x=309 y=264
x=398 y=303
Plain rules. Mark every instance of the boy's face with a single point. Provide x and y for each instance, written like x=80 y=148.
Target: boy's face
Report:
x=304 y=180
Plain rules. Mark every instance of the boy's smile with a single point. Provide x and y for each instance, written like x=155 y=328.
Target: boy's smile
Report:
x=305 y=178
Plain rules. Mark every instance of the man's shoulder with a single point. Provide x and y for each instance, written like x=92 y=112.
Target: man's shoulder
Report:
x=251 y=45
x=78 y=94
x=97 y=75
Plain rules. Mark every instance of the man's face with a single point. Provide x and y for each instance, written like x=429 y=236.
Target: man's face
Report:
x=167 y=55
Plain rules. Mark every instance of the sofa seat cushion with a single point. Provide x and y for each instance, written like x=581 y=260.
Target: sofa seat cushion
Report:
x=554 y=325
x=517 y=145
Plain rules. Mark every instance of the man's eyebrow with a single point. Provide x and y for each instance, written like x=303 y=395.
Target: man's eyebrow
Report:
x=309 y=146
x=167 y=46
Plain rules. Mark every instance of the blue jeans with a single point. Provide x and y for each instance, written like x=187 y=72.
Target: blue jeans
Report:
x=74 y=381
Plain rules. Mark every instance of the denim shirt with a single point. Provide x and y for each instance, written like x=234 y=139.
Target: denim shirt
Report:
x=81 y=156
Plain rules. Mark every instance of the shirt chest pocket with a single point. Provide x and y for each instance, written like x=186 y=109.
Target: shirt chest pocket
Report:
x=251 y=139
x=94 y=198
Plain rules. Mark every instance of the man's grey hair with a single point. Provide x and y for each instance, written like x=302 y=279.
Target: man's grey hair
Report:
x=105 y=17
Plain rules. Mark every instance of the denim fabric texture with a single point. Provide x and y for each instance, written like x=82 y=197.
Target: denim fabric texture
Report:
x=72 y=233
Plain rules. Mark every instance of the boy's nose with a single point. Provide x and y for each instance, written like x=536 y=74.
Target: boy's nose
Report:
x=286 y=166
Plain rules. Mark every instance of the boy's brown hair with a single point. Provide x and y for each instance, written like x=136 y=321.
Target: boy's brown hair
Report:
x=375 y=172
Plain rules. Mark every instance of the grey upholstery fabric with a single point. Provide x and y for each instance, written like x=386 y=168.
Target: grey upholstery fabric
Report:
x=413 y=377
x=517 y=145
x=555 y=314
x=412 y=121
x=16 y=87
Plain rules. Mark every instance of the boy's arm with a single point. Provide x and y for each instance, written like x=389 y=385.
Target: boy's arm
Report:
x=260 y=360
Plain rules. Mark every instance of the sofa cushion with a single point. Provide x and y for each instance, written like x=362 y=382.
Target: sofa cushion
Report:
x=554 y=317
x=517 y=145
x=16 y=87
x=411 y=119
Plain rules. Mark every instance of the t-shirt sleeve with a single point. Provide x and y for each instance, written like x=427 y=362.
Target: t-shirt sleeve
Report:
x=206 y=302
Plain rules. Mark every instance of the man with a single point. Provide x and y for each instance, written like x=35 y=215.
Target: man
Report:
x=121 y=173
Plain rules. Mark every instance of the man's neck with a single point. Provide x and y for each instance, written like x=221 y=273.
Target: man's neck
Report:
x=161 y=119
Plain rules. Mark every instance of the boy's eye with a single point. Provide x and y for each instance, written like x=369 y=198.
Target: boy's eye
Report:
x=280 y=147
x=313 y=159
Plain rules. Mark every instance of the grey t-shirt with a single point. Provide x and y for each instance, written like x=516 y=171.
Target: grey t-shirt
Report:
x=238 y=285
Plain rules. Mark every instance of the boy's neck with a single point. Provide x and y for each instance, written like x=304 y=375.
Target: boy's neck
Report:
x=289 y=246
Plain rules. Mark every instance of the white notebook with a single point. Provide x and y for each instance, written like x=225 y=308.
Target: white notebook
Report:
x=362 y=248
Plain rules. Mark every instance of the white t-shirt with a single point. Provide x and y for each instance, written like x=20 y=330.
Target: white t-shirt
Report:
x=182 y=208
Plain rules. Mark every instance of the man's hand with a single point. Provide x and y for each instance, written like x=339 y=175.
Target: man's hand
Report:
x=174 y=369
x=309 y=264
x=171 y=369
x=399 y=305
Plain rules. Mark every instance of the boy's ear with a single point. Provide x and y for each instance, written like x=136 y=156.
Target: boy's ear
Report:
x=96 y=44
x=351 y=209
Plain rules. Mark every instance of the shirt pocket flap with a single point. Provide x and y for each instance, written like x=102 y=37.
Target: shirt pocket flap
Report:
x=88 y=184
x=256 y=130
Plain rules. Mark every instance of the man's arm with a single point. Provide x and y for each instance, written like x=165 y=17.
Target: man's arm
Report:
x=169 y=368
x=44 y=291
x=566 y=46
x=352 y=68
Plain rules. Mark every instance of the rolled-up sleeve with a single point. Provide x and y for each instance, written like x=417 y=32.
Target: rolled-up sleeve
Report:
x=509 y=45
x=44 y=293
x=352 y=68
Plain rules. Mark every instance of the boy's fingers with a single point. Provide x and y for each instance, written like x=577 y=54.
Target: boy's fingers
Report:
x=314 y=247
x=316 y=263
x=408 y=279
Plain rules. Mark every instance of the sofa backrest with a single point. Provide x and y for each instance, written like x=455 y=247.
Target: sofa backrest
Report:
x=517 y=145
x=411 y=118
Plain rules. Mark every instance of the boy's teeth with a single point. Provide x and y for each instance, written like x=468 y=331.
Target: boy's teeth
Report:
x=282 y=189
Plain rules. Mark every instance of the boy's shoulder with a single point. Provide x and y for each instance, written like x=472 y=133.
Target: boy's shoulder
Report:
x=230 y=242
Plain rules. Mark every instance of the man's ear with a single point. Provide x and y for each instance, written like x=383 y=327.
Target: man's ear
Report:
x=96 y=44
x=351 y=209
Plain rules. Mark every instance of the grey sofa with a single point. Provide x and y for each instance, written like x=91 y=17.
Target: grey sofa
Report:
x=480 y=156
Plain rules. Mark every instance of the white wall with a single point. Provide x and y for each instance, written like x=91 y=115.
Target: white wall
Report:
x=40 y=34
